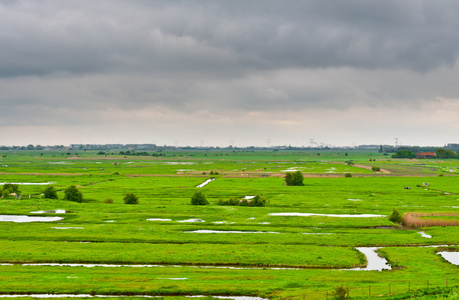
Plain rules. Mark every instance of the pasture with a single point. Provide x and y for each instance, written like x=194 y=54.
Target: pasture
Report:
x=164 y=246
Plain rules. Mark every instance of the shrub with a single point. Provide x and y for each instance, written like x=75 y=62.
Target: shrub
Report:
x=396 y=217
x=294 y=178
x=376 y=169
x=50 y=192
x=73 y=194
x=348 y=175
x=11 y=188
x=199 y=198
x=131 y=198
x=341 y=292
x=108 y=200
x=258 y=200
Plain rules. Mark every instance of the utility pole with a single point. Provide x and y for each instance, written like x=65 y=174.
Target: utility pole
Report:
x=268 y=141
x=312 y=142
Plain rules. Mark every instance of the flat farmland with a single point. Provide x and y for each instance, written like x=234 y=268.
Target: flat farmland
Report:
x=303 y=243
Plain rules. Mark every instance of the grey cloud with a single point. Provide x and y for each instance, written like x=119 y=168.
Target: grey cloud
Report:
x=225 y=38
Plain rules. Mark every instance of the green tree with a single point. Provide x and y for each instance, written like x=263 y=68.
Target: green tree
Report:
x=50 y=192
x=199 y=198
x=73 y=194
x=442 y=153
x=131 y=198
x=294 y=178
x=396 y=216
x=404 y=154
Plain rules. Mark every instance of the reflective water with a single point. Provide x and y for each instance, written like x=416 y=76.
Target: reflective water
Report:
x=425 y=235
x=296 y=214
x=452 y=257
x=228 y=231
x=27 y=183
x=205 y=182
x=375 y=262
x=27 y=219
x=123 y=296
x=56 y=211
x=191 y=221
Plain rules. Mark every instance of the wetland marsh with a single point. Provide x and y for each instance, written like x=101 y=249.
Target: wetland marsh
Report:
x=312 y=234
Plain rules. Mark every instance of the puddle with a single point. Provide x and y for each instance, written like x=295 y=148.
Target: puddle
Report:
x=174 y=278
x=229 y=231
x=424 y=235
x=191 y=221
x=178 y=163
x=27 y=183
x=452 y=257
x=159 y=220
x=264 y=223
x=325 y=215
x=316 y=233
x=248 y=197
x=27 y=219
x=223 y=222
x=123 y=296
x=109 y=221
x=375 y=262
x=205 y=182
x=354 y=199
x=74 y=265
x=56 y=211
x=67 y=227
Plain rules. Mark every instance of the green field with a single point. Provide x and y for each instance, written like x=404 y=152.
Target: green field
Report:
x=152 y=248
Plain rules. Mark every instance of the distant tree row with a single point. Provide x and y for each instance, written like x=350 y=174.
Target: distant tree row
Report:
x=440 y=153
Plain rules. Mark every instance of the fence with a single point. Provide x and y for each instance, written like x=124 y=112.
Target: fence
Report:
x=377 y=290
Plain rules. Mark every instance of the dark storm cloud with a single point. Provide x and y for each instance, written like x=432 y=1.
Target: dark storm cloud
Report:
x=245 y=66
x=224 y=38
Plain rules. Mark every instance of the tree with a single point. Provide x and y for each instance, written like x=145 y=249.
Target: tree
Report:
x=50 y=192
x=131 y=198
x=199 y=198
x=396 y=217
x=73 y=194
x=442 y=153
x=294 y=178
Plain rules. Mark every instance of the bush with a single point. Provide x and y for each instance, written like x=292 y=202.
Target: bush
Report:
x=376 y=169
x=258 y=200
x=50 y=192
x=199 y=198
x=294 y=178
x=73 y=194
x=11 y=188
x=348 y=175
x=396 y=217
x=108 y=200
x=341 y=292
x=130 y=198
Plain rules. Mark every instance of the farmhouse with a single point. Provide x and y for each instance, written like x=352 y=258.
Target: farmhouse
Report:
x=425 y=155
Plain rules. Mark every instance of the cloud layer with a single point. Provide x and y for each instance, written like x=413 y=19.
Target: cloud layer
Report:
x=185 y=71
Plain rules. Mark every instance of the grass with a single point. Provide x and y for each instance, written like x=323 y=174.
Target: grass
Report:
x=121 y=234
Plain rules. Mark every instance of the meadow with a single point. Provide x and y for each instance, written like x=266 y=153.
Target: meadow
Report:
x=164 y=246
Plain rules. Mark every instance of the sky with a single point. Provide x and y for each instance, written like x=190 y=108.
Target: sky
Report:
x=219 y=73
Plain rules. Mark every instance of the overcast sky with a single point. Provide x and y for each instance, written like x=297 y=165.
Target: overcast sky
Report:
x=222 y=72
